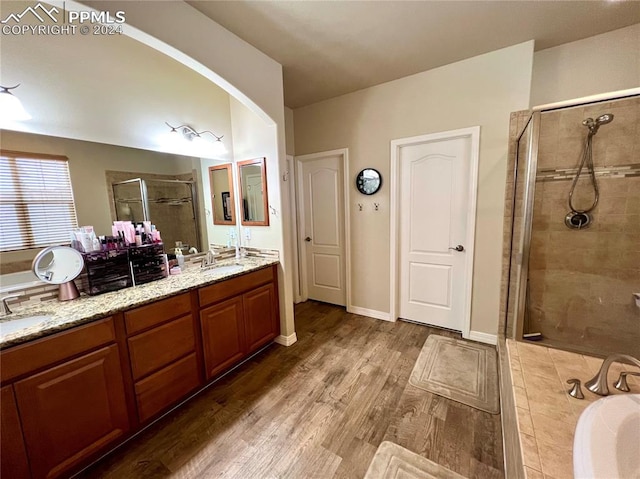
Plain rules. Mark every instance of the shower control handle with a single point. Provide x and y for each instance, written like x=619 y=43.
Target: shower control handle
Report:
x=457 y=248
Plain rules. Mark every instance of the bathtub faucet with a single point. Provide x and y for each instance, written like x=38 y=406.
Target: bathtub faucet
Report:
x=598 y=384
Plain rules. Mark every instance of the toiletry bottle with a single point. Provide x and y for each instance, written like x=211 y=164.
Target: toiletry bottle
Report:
x=179 y=257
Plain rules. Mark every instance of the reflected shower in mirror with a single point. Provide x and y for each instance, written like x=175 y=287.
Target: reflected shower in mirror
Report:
x=253 y=189
x=222 y=194
x=167 y=202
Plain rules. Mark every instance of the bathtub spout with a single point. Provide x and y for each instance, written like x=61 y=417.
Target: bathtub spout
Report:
x=598 y=384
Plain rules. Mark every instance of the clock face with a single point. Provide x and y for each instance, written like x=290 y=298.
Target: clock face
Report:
x=368 y=181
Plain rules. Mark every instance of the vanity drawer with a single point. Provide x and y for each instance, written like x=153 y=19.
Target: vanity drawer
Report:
x=153 y=349
x=159 y=312
x=157 y=392
x=34 y=355
x=233 y=287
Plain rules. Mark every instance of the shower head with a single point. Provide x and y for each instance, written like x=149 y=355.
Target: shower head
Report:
x=593 y=125
x=604 y=119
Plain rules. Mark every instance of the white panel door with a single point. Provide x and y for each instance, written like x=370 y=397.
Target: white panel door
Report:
x=322 y=201
x=434 y=178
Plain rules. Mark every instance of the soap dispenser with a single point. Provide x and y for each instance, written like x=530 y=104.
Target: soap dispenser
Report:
x=179 y=257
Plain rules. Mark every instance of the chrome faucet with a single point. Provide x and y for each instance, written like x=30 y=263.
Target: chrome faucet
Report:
x=6 y=310
x=598 y=384
x=210 y=259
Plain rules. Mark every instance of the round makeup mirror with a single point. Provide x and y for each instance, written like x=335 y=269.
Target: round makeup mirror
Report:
x=59 y=265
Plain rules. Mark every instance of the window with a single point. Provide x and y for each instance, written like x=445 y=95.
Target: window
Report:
x=36 y=201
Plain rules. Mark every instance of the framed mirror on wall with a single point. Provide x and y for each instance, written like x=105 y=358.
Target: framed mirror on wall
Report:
x=222 y=194
x=253 y=192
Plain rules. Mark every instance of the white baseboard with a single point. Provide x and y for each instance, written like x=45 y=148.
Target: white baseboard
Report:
x=483 y=337
x=371 y=313
x=286 y=340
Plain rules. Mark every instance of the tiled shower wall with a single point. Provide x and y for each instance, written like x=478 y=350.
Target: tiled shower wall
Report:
x=581 y=281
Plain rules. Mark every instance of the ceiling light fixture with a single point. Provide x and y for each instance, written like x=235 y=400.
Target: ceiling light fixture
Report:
x=11 y=108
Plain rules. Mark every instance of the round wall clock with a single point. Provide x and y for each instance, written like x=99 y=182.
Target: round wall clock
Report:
x=369 y=181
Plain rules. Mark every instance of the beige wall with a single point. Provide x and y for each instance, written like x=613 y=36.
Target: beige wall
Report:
x=479 y=91
x=598 y=64
x=289 y=131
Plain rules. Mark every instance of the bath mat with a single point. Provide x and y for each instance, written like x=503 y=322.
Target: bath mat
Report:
x=395 y=462
x=460 y=370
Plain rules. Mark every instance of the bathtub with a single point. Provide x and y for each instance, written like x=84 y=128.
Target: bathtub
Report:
x=607 y=439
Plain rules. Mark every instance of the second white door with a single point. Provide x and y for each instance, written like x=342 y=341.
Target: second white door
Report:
x=434 y=204
x=321 y=203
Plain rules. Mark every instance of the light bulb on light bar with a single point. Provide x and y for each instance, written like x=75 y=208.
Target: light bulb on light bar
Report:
x=11 y=108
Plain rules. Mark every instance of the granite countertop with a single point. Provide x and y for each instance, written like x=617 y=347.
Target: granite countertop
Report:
x=65 y=315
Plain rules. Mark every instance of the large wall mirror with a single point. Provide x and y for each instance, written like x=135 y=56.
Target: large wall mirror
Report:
x=253 y=191
x=222 y=197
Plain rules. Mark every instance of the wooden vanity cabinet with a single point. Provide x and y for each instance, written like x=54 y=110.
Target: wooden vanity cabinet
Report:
x=163 y=354
x=238 y=317
x=223 y=340
x=70 y=399
x=72 y=411
x=260 y=316
x=13 y=455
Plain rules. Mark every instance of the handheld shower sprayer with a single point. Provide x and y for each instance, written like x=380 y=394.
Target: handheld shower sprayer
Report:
x=580 y=218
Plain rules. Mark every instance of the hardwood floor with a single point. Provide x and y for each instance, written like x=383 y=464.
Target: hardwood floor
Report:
x=317 y=409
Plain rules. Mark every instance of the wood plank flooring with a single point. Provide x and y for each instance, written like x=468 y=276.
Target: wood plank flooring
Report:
x=317 y=409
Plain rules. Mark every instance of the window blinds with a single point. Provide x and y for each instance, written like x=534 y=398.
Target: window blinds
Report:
x=36 y=201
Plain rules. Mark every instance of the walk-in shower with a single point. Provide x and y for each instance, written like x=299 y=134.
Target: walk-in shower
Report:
x=579 y=217
x=570 y=279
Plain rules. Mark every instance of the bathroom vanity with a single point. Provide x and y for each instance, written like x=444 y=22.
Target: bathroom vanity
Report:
x=100 y=369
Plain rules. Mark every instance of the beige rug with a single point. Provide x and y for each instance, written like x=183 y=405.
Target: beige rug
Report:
x=464 y=371
x=395 y=462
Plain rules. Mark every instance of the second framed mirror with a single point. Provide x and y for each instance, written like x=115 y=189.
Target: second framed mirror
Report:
x=253 y=192
x=221 y=182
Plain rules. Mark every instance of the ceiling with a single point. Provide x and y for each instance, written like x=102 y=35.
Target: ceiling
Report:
x=329 y=48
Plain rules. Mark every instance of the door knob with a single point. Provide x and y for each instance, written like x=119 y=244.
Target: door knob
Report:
x=307 y=239
x=457 y=248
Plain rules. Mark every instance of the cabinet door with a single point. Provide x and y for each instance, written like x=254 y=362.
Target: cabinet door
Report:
x=261 y=321
x=72 y=411
x=222 y=335
x=14 y=457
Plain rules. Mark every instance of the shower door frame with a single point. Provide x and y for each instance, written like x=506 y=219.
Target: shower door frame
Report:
x=524 y=245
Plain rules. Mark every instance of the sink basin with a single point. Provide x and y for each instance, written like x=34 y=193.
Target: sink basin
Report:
x=607 y=439
x=232 y=268
x=12 y=325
